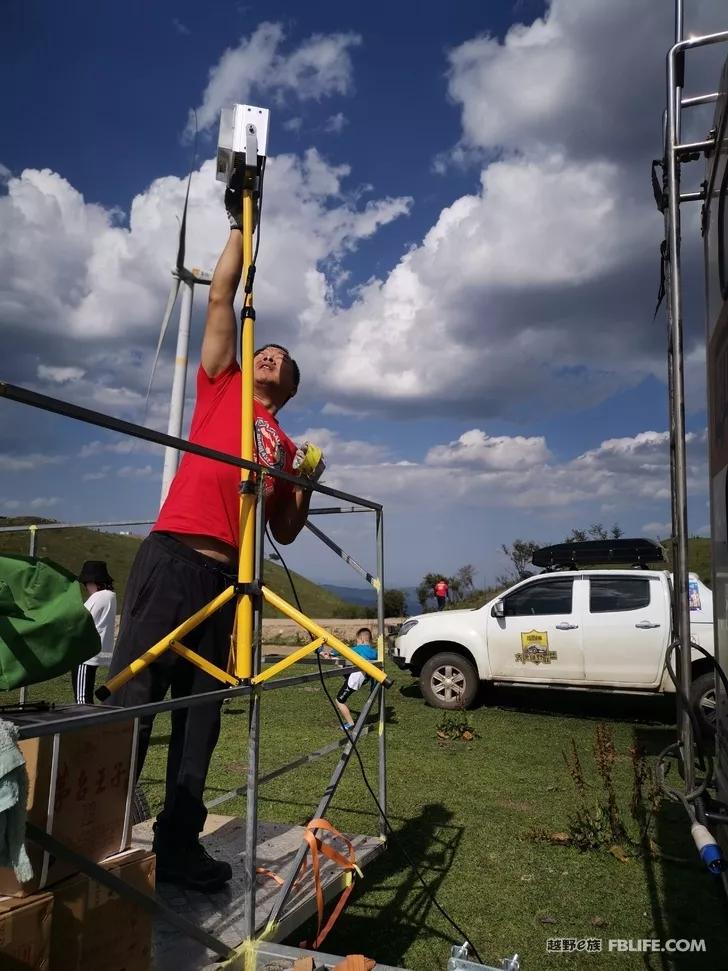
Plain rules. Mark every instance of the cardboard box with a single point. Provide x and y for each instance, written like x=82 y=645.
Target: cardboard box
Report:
x=25 y=933
x=80 y=790
x=94 y=929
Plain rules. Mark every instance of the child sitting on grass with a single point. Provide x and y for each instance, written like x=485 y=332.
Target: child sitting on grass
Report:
x=364 y=648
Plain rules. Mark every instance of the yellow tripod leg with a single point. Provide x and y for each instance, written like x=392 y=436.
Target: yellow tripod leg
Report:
x=288 y=661
x=156 y=650
x=318 y=631
x=203 y=664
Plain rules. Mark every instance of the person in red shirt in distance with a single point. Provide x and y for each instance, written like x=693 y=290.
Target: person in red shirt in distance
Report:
x=441 y=591
x=190 y=557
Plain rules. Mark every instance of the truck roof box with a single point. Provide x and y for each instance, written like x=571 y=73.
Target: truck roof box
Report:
x=627 y=552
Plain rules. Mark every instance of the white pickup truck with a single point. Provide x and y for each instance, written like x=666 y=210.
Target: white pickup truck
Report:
x=598 y=630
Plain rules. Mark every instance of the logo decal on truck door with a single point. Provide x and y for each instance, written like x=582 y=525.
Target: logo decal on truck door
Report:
x=535 y=648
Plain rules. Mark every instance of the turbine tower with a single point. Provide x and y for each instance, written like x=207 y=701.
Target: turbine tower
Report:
x=183 y=279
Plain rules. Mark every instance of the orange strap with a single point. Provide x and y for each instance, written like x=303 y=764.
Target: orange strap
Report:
x=318 y=848
x=347 y=863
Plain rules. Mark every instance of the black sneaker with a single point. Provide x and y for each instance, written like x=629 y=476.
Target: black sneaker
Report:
x=191 y=866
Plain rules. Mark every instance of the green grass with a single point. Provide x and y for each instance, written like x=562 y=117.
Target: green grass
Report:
x=463 y=811
x=70 y=547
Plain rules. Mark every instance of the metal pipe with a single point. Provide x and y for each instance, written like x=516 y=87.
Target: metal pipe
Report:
x=104 y=714
x=692 y=196
x=679 y=498
x=285 y=769
x=56 y=406
x=330 y=510
x=327 y=541
x=700 y=99
x=689 y=148
x=32 y=530
x=322 y=807
x=251 y=798
x=382 y=746
x=179 y=383
x=36 y=526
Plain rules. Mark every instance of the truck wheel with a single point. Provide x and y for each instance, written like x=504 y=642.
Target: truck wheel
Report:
x=702 y=697
x=449 y=681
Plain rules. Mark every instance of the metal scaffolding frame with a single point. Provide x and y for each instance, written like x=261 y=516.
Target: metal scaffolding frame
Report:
x=676 y=154
x=106 y=715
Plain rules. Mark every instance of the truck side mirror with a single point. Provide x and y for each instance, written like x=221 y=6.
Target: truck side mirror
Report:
x=498 y=609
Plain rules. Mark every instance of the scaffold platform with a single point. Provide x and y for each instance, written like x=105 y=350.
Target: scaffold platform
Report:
x=223 y=914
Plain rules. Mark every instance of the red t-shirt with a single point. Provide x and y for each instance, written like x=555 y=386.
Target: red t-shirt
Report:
x=204 y=495
x=441 y=589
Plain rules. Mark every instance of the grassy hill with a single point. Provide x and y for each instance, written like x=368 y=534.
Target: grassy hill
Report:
x=70 y=547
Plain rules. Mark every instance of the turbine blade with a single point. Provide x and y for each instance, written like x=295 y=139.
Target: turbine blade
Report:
x=171 y=300
x=183 y=224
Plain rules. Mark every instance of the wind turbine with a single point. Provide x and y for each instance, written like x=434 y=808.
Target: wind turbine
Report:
x=183 y=279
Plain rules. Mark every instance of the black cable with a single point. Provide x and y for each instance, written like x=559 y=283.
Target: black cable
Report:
x=716 y=664
x=687 y=704
x=355 y=750
x=260 y=210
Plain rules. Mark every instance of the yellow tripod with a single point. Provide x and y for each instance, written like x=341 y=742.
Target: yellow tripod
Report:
x=246 y=590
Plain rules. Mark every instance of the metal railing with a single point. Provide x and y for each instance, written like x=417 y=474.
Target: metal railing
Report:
x=105 y=715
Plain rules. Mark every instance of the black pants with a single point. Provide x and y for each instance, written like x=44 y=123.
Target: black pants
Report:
x=169 y=582
x=441 y=601
x=83 y=679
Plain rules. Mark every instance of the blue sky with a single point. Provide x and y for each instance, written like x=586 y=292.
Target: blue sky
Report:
x=459 y=246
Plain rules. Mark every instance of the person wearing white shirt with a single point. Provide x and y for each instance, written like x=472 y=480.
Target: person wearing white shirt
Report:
x=101 y=604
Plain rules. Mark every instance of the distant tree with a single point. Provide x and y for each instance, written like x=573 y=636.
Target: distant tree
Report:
x=394 y=603
x=465 y=577
x=519 y=553
x=576 y=536
x=424 y=590
x=595 y=531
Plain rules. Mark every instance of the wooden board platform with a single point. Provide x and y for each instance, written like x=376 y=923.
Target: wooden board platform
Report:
x=222 y=913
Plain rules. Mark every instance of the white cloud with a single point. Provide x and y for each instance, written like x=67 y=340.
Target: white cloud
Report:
x=536 y=290
x=122 y=446
x=658 y=530
x=26 y=463
x=180 y=27
x=105 y=285
x=336 y=123
x=293 y=124
x=43 y=502
x=60 y=375
x=339 y=451
x=5 y=174
x=515 y=472
x=319 y=67
x=476 y=448
x=137 y=472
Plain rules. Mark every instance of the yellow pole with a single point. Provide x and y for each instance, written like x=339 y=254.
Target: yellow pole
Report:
x=202 y=663
x=286 y=662
x=313 y=628
x=246 y=562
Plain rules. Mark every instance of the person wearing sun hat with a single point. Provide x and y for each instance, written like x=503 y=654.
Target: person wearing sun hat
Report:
x=100 y=601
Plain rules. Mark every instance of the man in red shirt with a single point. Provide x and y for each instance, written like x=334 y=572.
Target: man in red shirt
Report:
x=190 y=557
x=441 y=592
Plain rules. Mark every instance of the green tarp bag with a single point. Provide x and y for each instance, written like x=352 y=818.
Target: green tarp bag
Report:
x=45 y=630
